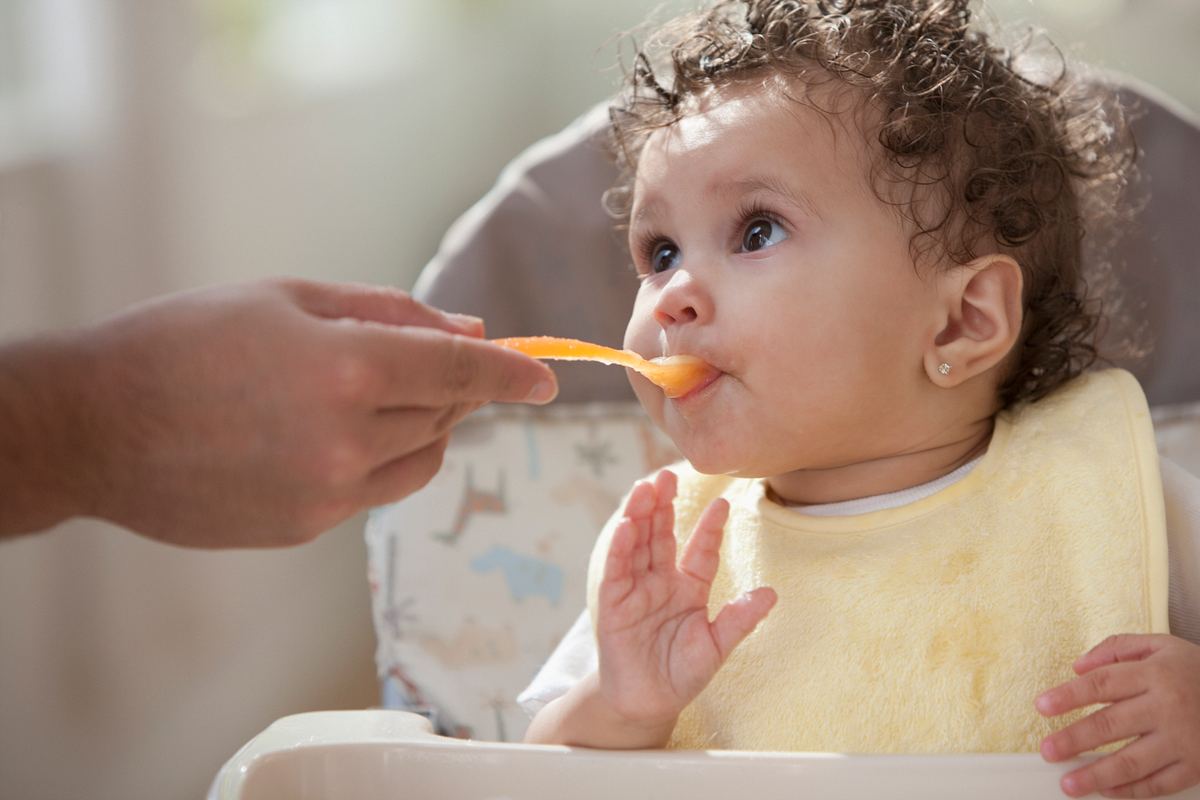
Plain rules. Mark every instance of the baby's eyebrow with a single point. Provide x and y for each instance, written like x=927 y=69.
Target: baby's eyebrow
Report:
x=647 y=211
x=771 y=184
x=650 y=210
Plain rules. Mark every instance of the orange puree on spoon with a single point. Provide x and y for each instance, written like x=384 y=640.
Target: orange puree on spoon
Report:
x=676 y=375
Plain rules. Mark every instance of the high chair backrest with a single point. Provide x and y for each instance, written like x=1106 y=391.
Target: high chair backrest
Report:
x=1156 y=257
x=539 y=256
x=476 y=577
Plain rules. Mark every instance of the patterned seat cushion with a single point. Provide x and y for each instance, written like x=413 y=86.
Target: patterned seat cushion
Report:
x=475 y=578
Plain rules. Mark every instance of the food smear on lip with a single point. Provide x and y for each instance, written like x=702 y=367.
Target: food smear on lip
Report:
x=675 y=375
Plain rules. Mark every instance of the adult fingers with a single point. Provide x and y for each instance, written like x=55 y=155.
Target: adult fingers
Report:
x=1132 y=763
x=395 y=432
x=430 y=368
x=1109 y=724
x=381 y=304
x=1102 y=685
x=1119 y=648
x=741 y=616
x=399 y=478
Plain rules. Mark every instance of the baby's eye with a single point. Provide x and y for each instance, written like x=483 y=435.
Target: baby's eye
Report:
x=664 y=256
x=762 y=232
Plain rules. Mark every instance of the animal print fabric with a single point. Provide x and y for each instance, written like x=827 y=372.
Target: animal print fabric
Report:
x=476 y=578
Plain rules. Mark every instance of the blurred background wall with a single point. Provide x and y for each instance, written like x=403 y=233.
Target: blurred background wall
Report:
x=150 y=146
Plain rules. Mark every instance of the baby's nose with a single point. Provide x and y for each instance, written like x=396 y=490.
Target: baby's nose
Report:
x=675 y=315
x=683 y=300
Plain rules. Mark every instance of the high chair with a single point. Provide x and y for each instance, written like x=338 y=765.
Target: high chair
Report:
x=475 y=578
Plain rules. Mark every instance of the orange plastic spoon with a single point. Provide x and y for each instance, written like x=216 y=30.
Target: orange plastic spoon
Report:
x=676 y=375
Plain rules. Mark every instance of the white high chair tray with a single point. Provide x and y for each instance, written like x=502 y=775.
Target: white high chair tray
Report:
x=388 y=755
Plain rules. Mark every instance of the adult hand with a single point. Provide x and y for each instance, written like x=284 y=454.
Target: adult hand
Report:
x=247 y=415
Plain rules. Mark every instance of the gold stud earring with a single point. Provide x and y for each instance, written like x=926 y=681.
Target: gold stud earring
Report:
x=944 y=368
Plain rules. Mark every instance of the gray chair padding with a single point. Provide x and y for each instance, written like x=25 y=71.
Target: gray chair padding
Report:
x=1158 y=260
x=539 y=256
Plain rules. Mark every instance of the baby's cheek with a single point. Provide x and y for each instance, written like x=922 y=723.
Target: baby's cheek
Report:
x=641 y=332
x=649 y=395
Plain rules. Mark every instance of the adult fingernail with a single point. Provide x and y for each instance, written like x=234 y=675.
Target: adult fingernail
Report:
x=543 y=392
x=466 y=322
x=1043 y=704
x=1070 y=785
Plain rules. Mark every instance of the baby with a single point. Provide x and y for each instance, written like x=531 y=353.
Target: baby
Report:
x=907 y=511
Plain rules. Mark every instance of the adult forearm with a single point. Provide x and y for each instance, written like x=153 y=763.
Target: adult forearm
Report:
x=582 y=718
x=45 y=437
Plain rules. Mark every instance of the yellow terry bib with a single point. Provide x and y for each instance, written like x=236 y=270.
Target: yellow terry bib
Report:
x=931 y=628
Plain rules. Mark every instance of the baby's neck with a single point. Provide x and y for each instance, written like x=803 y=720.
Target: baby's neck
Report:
x=877 y=476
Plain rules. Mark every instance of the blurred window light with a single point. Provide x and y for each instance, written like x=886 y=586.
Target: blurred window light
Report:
x=10 y=50
x=54 y=85
x=261 y=51
x=16 y=123
x=1093 y=12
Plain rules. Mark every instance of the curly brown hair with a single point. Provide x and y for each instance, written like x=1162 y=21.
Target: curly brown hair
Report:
x=1012 y=155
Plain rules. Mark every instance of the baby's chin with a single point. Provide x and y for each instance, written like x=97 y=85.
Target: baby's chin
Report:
x=710 y=460
x=709 y=452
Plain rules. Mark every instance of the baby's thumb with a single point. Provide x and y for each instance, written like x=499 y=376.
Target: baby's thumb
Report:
x=740 y=617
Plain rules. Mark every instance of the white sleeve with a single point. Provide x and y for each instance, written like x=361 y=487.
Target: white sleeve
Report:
x=1181 y=495
x=572 y=661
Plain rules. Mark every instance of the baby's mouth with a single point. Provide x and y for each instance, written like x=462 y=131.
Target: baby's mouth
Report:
x=679 y=375
x=700 y=386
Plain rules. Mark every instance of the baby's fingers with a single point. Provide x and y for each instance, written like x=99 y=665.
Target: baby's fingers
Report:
x=1119 y=648
x=622 y=563
x=1168 y=780
x=640 y=504
x=702 y=553
x=662 y=522
x=1134 y=763
x=1103 y=685
x=1110 y=724
x=739 y=617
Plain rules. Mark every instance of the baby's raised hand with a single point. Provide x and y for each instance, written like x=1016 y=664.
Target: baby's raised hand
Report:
x=1151 y=684
x=657 y=648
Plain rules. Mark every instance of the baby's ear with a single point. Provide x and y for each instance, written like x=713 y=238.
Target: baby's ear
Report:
x=980 y=319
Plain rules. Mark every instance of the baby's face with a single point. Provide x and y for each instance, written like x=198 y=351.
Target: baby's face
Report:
x=762 y=249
